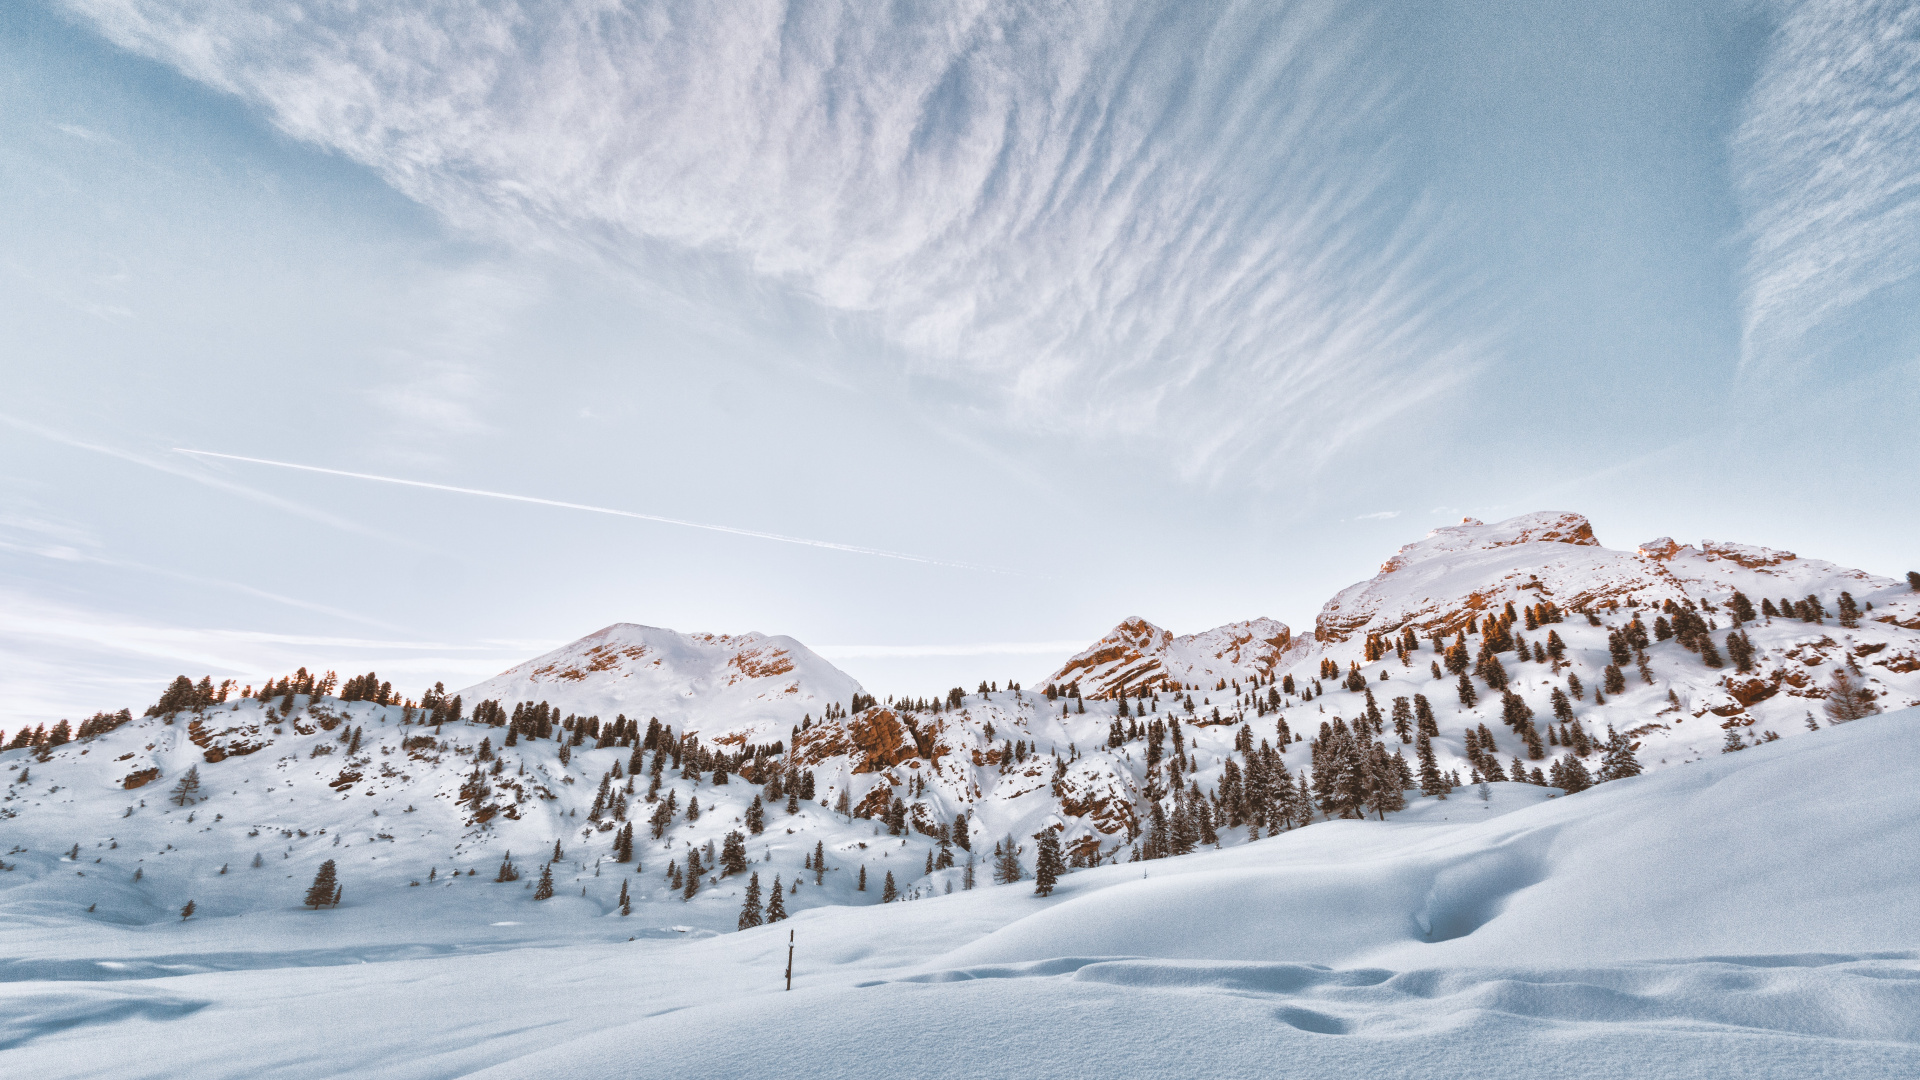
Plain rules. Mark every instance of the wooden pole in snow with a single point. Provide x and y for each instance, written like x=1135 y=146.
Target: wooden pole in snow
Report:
x=789 y=959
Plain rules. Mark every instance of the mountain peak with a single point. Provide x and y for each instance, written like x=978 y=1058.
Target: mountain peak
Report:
x=1137 y=654
x=749 y=683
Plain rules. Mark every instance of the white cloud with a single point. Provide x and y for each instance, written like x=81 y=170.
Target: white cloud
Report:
x=1828 y=161
x=1179 y=221
x=1379 y=515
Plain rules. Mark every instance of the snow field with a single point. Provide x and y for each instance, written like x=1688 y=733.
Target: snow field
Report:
x=1753 y=915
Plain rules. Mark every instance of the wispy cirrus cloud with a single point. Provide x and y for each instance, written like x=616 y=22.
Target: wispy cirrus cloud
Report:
x=1828 y=162
x=1170 y=220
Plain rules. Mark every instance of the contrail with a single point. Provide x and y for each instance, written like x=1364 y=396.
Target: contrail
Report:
x=828 y=544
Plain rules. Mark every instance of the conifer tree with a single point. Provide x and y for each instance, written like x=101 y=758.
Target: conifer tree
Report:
x=1847 y=700
x=863 y=878
x=1432 y=781
x=1742 y=608
x=1574 y=776
x=1733 y=742
x=320 y=893
x=1403 y=719
x=626 y=902
x=756 y=816
x=544 y=890
x=750 y=909
x=1048 y=865
x=776 y=902
x=188 y=788
x=888 y=892
x=1467 y=694
x=1006 y=862
x=186 y=912
x=820 y=862
x=693 y=873
x=1562 y=707
x=1619 y=762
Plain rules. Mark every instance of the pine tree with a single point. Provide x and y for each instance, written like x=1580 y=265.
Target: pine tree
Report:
x=1467 y=694
x=1619 y=762
x=1849 y=611
x=1006 y=862
x=733 y=854
x=750 y=909
x=820 y=863
x=1432 y=781
x=863 y=877
x=1048 y=865
x=186 y=912
x=776 y=902
x=1846 y=700
x=693 y=872
x=188 y=788
x=1403 y=719
x=544 y=890
x=1734 y=742
x=626 y=902
x=320 y=893
x=756 y=816
x=1573 y=775
x=888 y=892
x=1740 y=649
x=558 y=852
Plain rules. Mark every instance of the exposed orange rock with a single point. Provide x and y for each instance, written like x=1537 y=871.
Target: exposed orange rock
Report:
x=872 y=740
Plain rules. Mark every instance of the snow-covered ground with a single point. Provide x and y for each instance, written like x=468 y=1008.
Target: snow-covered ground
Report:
x=1754 y=914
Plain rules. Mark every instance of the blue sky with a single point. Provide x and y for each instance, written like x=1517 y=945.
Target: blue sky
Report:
x=1189 y=312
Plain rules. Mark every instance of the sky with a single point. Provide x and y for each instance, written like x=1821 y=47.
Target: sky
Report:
x=941 y=337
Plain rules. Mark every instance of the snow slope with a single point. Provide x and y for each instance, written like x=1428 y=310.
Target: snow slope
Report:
x=714 y=684
x=1753 y=915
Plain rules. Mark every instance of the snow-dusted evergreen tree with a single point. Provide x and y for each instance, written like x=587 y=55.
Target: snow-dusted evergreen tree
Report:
x=1618 y=762
x=776 y=902
x=1572 y=775
x=1006 y=862
x=733 y=854
x=1432 y=780
x=1048 y=865
x=888 y=891
x=544 y=890
x=750 y=908
x=320 y=893
x=693 y=872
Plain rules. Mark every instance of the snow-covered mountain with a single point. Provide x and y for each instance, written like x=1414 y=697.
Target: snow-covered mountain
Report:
x=713 y=685
x=1515 y=647
x=1139 y=655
